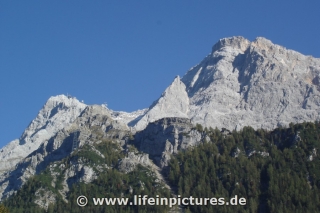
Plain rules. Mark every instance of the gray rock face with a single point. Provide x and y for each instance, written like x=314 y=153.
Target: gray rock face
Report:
x=58 y=112
x=126 y=117
x=44 y=198
x=243 y=83
x=167 y=136
x=174 y=102
x=312 y=155
x=132 y=159
x=93 y=123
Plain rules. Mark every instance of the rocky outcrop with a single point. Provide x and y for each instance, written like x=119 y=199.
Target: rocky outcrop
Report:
x=174 y=102
x=44 y=198
x=312 y=155
x=167 y=136
x=129 y=163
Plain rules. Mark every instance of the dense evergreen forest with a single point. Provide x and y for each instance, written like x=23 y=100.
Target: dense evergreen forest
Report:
x=275 y=171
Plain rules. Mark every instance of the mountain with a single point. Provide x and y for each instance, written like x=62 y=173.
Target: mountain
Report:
x=92 y=124
x=49 y=137
x=57 y=113
x=243 y=83
x=240 y=83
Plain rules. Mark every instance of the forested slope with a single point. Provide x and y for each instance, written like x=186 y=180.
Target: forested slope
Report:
x=276 y=171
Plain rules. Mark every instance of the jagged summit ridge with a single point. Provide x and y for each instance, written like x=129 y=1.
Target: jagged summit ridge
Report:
x=89 y=127
x=57 y=113
x=243 y=83
x=237 y=42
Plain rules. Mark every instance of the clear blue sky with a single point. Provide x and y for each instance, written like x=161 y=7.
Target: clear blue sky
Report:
x=126 y=53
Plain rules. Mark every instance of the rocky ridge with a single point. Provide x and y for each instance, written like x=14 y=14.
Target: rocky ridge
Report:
x=93 y=125
x=243 y=83
x=57 y=113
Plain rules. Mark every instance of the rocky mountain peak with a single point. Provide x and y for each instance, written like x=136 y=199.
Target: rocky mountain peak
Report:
x=96 y=110
x=175 y=86
x=174 y=102
x=67 y=99
x=237 y=42
x=57 y=113
x=262 y=42
x=243 y=83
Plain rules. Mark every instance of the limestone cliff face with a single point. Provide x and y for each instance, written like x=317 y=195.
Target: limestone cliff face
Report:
x=93 y=124
x=167 y=136
x=57 y=113
x=174 y=102
x=243 y=83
